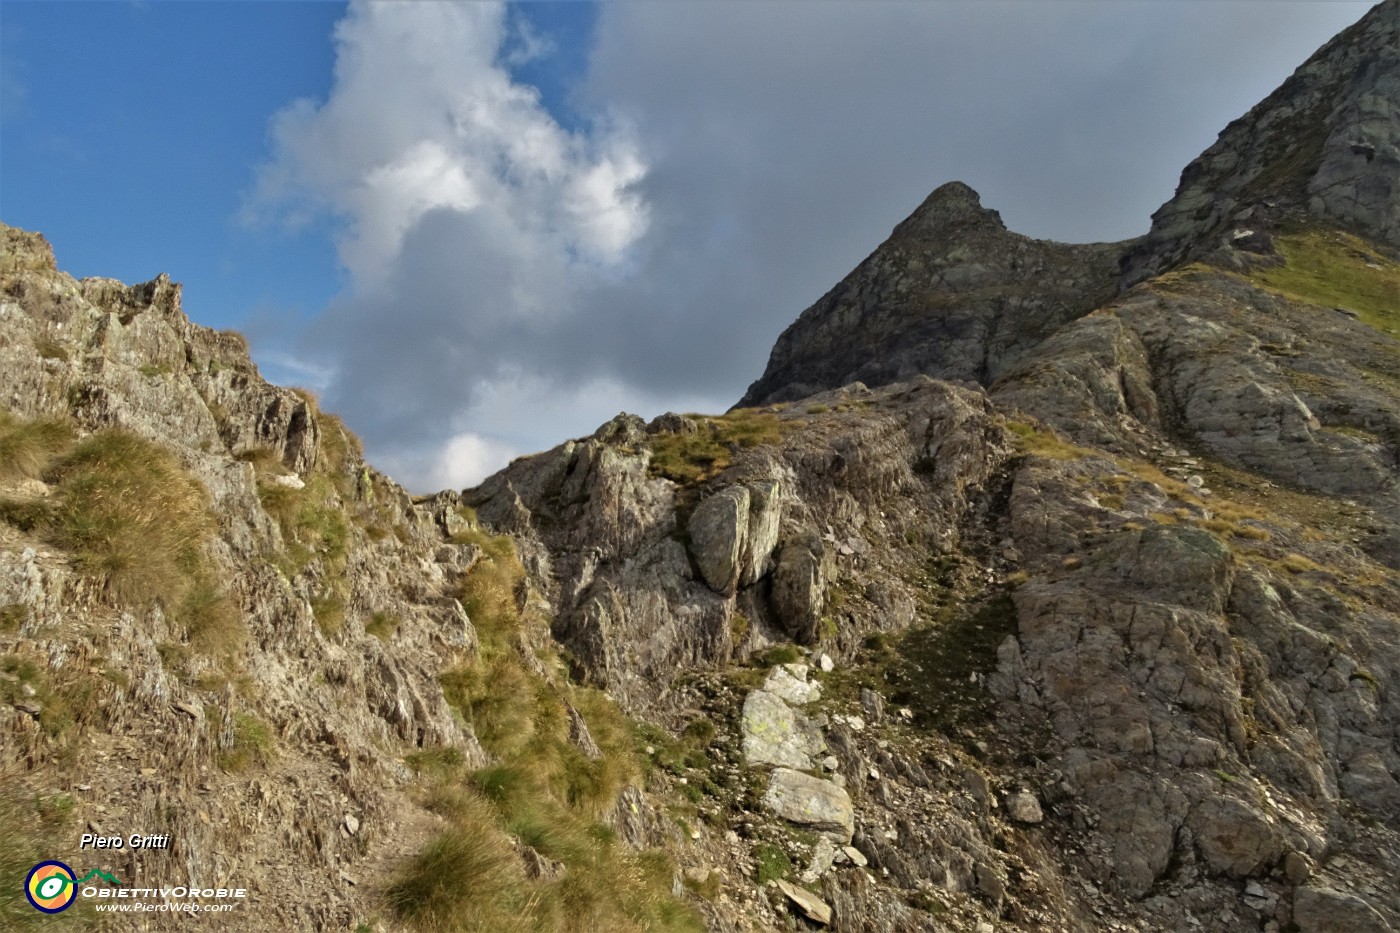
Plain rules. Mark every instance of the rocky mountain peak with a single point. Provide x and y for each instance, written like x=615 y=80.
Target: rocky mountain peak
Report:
x=1324 y=147
x=953 y=206
x=951 y=294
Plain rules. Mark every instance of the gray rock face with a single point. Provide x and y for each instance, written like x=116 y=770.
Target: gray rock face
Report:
x=1326 y=143
x=775 y=734
x=598 y=531
x=1024 y=808
x=952 y=294
x=719 y=529
x=1323 y=910
x=812 y=802
x=789 y=681
x=344 y=705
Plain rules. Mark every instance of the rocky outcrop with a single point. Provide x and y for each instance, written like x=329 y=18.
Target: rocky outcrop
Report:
x=1325 y=145
x=951 y=294
x=264 y=727
x=635 y=599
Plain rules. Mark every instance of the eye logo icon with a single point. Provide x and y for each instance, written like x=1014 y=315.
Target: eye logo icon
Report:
x=50 y=887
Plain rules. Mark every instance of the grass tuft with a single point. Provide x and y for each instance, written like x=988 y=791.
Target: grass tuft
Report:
x=543 y=790
x=252 y=744
x=708 y=451
x=28 y=447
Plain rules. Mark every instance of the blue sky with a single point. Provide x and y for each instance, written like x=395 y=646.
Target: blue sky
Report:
x=131 y=133
x=482 y=228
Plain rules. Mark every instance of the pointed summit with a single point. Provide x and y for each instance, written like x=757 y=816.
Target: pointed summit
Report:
x=950 y=206
x=951 y=294
x=1323 y=148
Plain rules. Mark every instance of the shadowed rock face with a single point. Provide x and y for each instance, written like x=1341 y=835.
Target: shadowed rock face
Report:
x=1326 y=143
x=951 y=294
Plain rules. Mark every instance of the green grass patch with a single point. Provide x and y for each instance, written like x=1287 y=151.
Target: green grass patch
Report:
x=779 y=654
x=65 y=702
x=12 y=616
x=697 y=456
x=252 y=745
x=382 y=625
x=930 y=668
x=328 y=610
x=28 y=826
x=1039 y=441
x=1337 y=270
x=543 y=790
x=770 y=863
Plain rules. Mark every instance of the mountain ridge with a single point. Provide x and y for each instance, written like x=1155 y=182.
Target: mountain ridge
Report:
x=1061 y=600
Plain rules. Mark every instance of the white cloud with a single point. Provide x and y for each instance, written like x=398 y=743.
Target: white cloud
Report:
x=422 y=117
x=515 y=282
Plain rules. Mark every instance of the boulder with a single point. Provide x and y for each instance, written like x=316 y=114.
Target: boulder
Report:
x=817 y=804
x=773 y=734
x=812 y=907
x=789 y=681
x=718 y=530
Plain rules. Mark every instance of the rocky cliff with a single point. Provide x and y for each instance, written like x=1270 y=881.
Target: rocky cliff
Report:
x=1111 y=612
x=1033 y=587
x=218 y=624
x=952 y=293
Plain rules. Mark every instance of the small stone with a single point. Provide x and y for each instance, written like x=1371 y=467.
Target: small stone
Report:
x=698 y=875
x=812 y=907
x=84 y=787
x=857 y=857
x=695 y=834
x=1297 y=867
x=856 y=723
x=27 y=690
x=830 y=763
x=147 y=772
x=823 y=856
x=826 y=664
x=873 y=705
x=1024 y=808
x=352 y=823
x=906 y=713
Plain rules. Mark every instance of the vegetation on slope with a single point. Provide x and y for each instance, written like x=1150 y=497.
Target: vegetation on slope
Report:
x=695 y=457
x=1338 y=270
x=524 y=848
x=129 y=514
x=26 y=824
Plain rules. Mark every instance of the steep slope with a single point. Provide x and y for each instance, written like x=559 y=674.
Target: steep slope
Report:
x=952 y=293
x=1114 y=638
x=219 y=625
x=1099 y=630
x=1326 y=142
